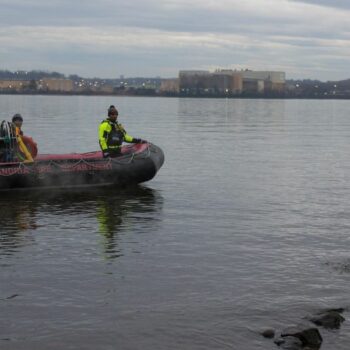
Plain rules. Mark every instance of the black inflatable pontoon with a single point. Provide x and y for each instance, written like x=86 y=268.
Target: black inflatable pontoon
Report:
x=137 y=163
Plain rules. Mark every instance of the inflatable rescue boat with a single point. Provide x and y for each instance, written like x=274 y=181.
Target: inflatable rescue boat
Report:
x=137 y=163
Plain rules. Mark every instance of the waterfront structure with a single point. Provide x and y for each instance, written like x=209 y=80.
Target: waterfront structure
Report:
x=56 y=85
x=253 y=86
x=270 y=81
x=90 y=87
x=221 y=83
x=169 y=86
x=206 y=83
x=230 y=82
x=14 y=85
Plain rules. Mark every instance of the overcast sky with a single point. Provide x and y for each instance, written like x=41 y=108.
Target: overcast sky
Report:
x=109 y=38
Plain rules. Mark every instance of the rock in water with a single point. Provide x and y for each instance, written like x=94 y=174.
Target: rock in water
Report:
x=268 y=333
x=330 y=320
x=309 y=337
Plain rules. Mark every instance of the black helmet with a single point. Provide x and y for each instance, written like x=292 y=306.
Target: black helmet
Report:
x=17 y=117
x=112 y=110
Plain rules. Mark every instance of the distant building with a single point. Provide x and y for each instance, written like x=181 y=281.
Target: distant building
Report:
x=273 y=76
x=108 y=89
x=230 y=82
x=227 y=81
x=56 y=85
x=204 y=82
x=169 y=85
x=272 y=81
x=253 y=86
x=14 y=85
x=193 y=81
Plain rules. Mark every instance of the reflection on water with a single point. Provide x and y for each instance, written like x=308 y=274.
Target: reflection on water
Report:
x=230 y=115
x=114 y=212
x=110 y=210
x=17 y=216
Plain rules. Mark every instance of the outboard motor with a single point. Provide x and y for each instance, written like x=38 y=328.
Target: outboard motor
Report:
x=8 y=142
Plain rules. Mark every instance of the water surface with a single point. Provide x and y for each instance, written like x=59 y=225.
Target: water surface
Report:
x=245 y=227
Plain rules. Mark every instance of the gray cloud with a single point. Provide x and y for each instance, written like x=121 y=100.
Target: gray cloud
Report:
x=111 y=37
x=345 y=4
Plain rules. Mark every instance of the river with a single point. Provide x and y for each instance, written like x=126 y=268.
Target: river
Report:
x=245 y=227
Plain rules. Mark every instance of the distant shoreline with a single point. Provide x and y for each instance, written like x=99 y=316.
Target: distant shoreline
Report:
x=326 y=97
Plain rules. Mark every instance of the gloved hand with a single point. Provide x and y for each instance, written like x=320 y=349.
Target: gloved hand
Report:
x=106 y=154
x=139 y=141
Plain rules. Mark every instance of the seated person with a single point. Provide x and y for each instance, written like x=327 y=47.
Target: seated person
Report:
x=27 y=148
x=17 y=121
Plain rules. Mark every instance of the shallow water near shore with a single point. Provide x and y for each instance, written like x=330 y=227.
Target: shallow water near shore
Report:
x=246 y=227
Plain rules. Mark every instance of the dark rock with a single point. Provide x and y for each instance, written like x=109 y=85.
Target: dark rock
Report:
x=279 y=341
x=309 y=337
x=268 y=333
x=340 y=266
x=330 y=320
x=339 y=310
x=289 y=343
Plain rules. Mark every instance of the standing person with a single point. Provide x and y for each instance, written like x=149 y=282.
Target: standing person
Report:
x=111 y=135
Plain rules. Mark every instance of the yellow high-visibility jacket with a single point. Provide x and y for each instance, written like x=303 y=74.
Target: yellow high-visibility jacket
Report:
x=22 y=147
x=112 y=134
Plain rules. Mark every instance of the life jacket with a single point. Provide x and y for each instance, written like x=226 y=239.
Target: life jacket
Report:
x=115 y=137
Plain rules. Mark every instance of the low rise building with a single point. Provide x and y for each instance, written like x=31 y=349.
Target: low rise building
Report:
x=56 y=85
x=169 y=86
x=14 y=85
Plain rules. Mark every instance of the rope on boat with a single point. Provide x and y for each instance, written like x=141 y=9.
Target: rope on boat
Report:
x=22 y=168
x=34 y=168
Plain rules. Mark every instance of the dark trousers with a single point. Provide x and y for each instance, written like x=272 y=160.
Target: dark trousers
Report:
x=114 y=152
